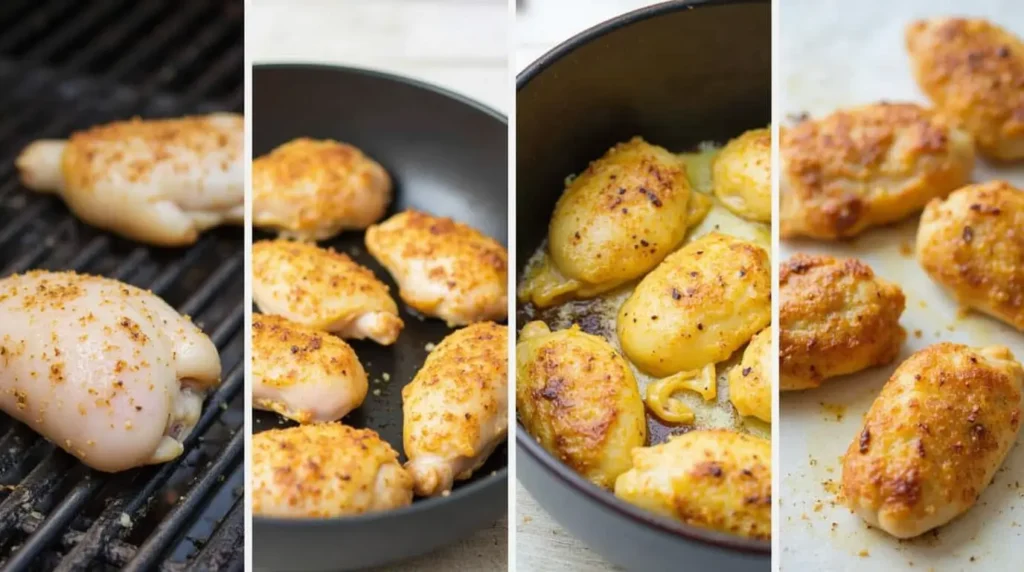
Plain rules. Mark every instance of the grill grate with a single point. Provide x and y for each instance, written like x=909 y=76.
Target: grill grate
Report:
x=67 y=65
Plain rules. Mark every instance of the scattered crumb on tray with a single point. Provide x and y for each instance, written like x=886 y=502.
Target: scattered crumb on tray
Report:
x=918 y=334
x=906 y=249
x=834 y=410
x=864 y=553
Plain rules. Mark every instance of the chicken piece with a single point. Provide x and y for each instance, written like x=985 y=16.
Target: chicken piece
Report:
x=106 y=371
x=325 y=470
x=303 y=374
x=698 y=306
x=715 y=479
x=455 y=411
x=973 y=70
x=973 y=244
x=742 y=175
x=579 y=399
x=934 y=438
x=615 y=221
x=312 y=190
x=750 y=382
x=835 y=318
x=867 y=166
x=444 y=269
x=324 y=290
x=160 y=182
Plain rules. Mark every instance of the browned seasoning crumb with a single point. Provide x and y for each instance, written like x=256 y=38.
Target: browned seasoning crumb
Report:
x=864 y=553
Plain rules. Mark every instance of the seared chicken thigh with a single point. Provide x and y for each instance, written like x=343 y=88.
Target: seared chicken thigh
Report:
x=444 y=269
x=325 y=470
x=742 y=175
x=312 y=190
x=106 y=371
x=324 y=290
x=973 y=244
x=455 y=410
x=161 y=181
x=303 y=374
x=934 y=438
x=867 y=166
x=750 y=382
x=579 y=399
x=973 y=70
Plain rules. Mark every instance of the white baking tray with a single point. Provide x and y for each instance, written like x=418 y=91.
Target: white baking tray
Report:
x=835 y=54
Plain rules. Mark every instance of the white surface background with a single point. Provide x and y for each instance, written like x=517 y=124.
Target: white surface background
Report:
x=458 y=44
x=835 y=54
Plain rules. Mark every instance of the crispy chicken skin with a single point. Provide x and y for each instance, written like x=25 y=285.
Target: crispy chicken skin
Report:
x=615 y=221
x=742 y=175
x=325 y=470
x=160 y=182
x=324 y=290
x=444 y=269
x=934 y=438
x=106 y=371
x=973 y=70
x=697 y=307
x=311 y=189
x=835 y=318
x=715 y=479
x=867 y=166
x=972 y=243
x=750 y=382
x=455 y=410
x=577 y=396
x=303 y=374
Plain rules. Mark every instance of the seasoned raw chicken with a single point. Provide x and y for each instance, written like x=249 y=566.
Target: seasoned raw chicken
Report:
x=742 y=175
x=698 y=306
x=311 y=190
x=867 y=166
x=106 y=371
x=750 y=382
x=455 y=410
x=973 y=70
x=444 y=269
x=615 y=221
x=973 y=244
x=159 y=181
x=835 y=317
x=714 y=479
x=579 y=399
x=324 y=290
x=303 y=374
x=934 y=438
x=325 y=470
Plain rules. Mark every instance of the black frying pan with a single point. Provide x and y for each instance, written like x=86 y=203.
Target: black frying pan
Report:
x=677 y=73
x=447 y=156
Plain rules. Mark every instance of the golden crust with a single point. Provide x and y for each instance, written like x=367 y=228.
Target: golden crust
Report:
x=313 y=189
x=973 y=244
x=715 y=479
x=579 y=399
x=934 y=437
x=743 y=176
x=325 y=470
x=867 y=166
x=973 y=70
x=835 y=318
x=750 y=382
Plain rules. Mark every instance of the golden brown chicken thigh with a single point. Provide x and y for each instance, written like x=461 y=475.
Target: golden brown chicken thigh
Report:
x=455 y=410
x=324 y=290
x=714 y=479
x=313 y=189
x=973 y=70
x=577 y=396
x=750 y=382
x=973 y=244
x=934 y=438
x=325 y=470
x=835 y=317
x=867 y=166
x=742 y=175
x=444 y=269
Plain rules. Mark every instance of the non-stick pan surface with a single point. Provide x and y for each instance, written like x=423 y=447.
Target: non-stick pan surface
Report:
x=677 y=73
x=447 y=156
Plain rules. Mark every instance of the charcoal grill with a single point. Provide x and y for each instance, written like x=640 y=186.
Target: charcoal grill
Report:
x=67 y=65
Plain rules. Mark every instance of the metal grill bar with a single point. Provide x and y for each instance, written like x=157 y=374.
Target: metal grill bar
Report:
x=219 y=552
x=82 y=22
